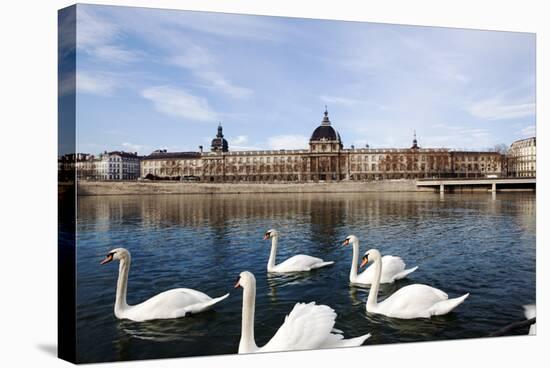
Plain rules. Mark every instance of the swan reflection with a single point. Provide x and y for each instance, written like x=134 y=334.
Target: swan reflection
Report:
x=181 y=329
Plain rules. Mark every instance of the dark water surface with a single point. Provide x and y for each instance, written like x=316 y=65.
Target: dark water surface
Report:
x=462 y=243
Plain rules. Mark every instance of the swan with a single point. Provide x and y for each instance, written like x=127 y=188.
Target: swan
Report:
x=172 y=303
x=411 y=301
x=393 y=267
x=307 y=326
x=530 y=311
x=297 y=263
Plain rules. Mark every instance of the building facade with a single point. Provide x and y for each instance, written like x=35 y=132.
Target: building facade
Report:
x=522 y=158
x=326 y=159
x=172 y=165
x=115 y=165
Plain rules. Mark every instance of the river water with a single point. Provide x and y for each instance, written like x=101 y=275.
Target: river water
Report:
x=462 y=243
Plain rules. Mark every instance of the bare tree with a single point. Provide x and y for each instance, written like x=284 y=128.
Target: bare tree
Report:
x=500 y=148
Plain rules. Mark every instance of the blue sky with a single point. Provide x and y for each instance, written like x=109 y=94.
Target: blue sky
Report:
x=149 y=79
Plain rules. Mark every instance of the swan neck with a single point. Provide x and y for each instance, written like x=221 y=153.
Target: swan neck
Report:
x=248 y=343
x=273 y=253
x=372 y=300
x=122 y=285
x=355 y=259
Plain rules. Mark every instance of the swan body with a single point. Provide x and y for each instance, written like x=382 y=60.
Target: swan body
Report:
x=307 y=326
x=412 y=301
x=530 y=311
x=297 y=263
x=393 y=268
x=172 y=303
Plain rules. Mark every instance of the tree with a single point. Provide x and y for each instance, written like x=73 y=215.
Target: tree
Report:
x=500 y=148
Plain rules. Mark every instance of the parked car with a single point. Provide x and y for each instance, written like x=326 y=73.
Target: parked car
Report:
x=190 y=178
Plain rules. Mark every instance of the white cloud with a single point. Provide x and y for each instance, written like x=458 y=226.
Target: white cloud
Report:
x=239 y=143
x=116 y=54
x=339 y=100
x=179 y=103
x=529 y=131
x=131 y=147
x=459 y=137
x=218 y=82
x=241 y=139
x=289 y=141
x=96 y=36
x=97 y=84
x=495 y=109
x=92 y=30
x=192 y=56
x=233 y=26
x=201 y=63
x=66 y=83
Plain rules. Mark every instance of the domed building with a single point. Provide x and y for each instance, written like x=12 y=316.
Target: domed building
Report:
x=325 y=146
x=219 y=144
x=325 y=136
x=326 y=160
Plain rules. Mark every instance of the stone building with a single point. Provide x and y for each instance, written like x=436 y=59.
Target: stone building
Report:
x=172 y=165
x=326 y=159
x=116 y=165
x=522 y=158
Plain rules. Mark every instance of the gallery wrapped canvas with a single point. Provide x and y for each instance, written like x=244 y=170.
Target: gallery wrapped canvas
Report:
x=237 y=184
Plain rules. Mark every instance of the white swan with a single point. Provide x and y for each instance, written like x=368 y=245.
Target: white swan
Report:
x=297 y=263
x=411 y=301
x=393 y=267
x=173 y=303
x=530 y=311
x=307 y=326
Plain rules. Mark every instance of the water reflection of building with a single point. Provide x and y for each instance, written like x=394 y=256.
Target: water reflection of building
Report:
x=326 y=159
x=522 y=157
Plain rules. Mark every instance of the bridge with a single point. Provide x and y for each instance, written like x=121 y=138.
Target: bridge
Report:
x=492 y=184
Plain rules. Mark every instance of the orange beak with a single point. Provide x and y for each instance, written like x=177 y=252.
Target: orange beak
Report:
x=107 y=259
x=364 y=262
x=345 y=243
x=266 y=236
x=238 y=284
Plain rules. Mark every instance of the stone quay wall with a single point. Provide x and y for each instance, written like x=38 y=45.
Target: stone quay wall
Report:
x=96 y=188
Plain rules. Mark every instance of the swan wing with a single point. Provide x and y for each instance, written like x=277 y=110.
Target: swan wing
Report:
x=445 y=306
x=300 y=262
x=337 y=341
x=168 y=304
x=307 y=326
x=201 y=306
x=404 y=273
x=412 y=301
x=391 y=266
x=530 y=311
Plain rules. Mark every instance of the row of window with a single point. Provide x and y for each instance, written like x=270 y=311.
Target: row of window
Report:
x=159 y=163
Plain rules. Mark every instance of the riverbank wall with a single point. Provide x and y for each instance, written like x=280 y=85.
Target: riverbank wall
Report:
x=97 y=188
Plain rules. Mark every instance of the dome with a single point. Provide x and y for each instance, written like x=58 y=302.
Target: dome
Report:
x=325 y=131
x=219 y=143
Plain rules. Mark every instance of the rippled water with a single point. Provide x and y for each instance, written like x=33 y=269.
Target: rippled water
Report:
x=462 y=243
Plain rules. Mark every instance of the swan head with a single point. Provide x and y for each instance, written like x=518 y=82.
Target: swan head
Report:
x=116 y=254
x=370 y=255
x=246 y=280
x=350 y=239
x=270 y=234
